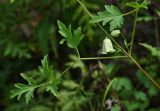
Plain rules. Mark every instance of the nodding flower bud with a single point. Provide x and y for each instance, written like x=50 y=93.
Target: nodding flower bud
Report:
x=115 y=33
x=107 y=46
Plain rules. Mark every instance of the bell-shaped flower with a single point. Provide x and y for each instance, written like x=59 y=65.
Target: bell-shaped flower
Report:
x=107 y=46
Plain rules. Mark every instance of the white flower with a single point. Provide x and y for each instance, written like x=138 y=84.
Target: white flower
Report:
x=115 y=33
x=107 y=46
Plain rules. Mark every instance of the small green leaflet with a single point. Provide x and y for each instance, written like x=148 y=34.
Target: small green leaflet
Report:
x=24 y=89
x=52 y=87
x=154 y=51
x=73 y=39
x=46 y=68
x=112 y=15
x=140 y=96
x=136 y=5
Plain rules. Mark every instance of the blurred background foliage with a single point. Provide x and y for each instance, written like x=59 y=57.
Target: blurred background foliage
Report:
x=28 y=31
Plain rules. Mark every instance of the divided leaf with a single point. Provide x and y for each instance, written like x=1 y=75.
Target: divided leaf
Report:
x=73 y=39
x=154 y=51
x=28 y=90
x=24 y=89
x=112 y=15
x=136 y=5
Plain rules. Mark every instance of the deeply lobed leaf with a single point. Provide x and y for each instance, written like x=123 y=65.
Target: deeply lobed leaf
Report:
x=73 y=39
x=112 y=15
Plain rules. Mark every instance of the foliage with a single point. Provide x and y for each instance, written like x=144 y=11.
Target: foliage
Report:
x=22 y=88
x=79 y=13
x=73 y=39
x=137 y=5
x=80 y=78
x=51 y=84
x=112 y=15
x=154 y=51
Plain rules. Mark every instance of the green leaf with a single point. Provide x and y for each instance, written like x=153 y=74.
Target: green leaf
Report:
x=122 y=84
x=140 y=96
x=154 y=51
x=24 y=89
x=46 y=68
x=137 y=5
x=29 y=95
x=52 y=87
x=73 y=39
x=112 y=15
x=70 y=84
x=28 y=79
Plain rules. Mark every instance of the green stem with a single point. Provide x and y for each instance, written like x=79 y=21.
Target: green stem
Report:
x=127 y=54
x=84 y=7
x=78 y=53
x=106 y=92
x=42 y=84
x=133 y=32
x=61 y=74
x=98 y=58
x=129 y=12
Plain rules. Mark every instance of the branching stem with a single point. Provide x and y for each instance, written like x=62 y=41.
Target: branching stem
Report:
x=124 y=52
